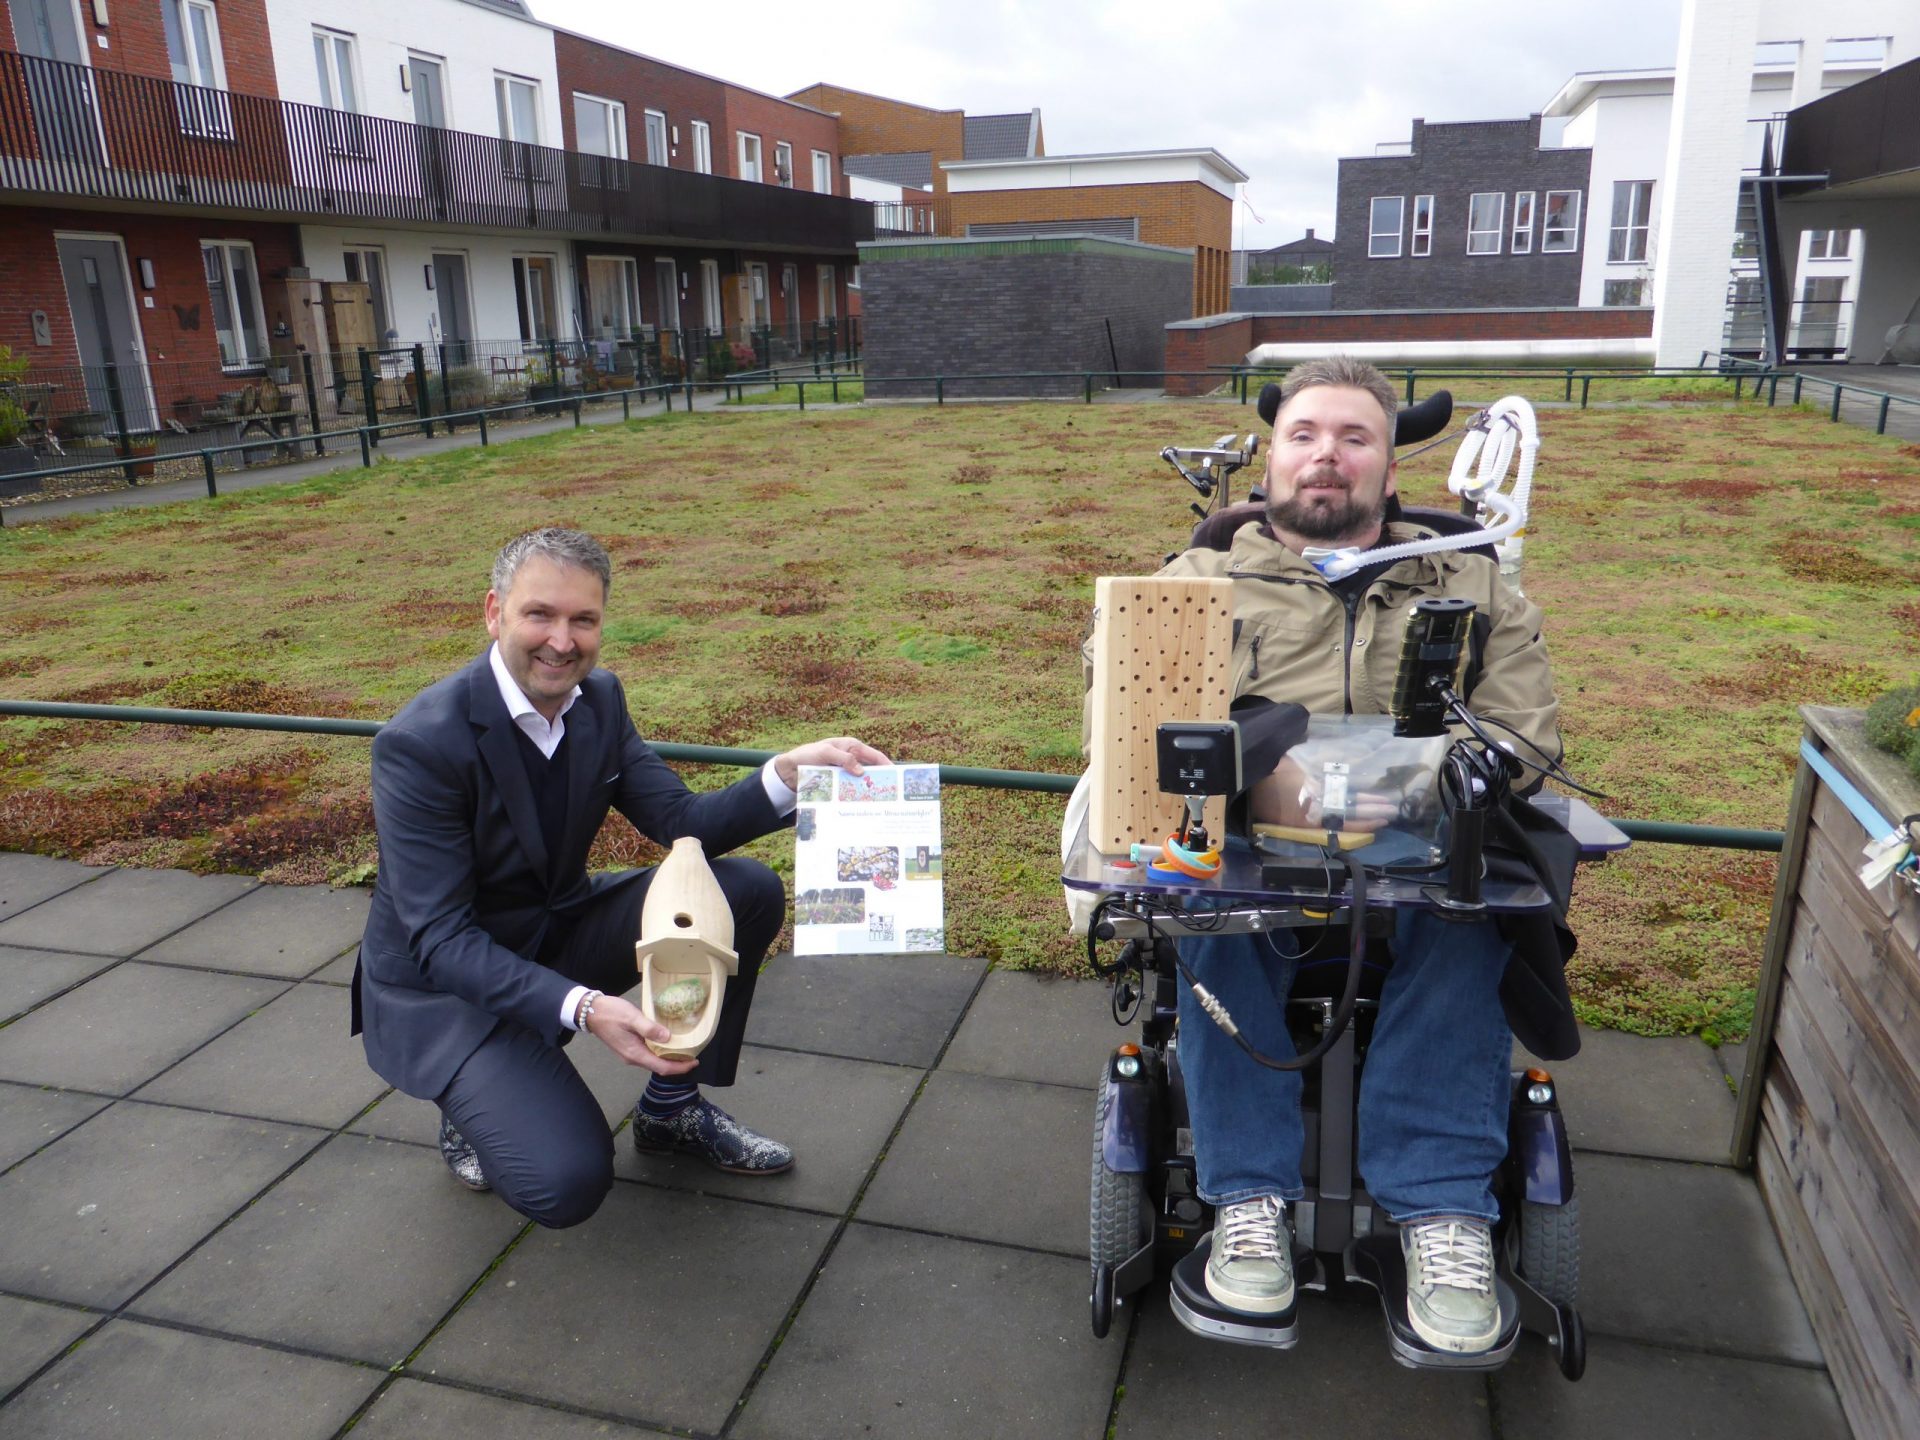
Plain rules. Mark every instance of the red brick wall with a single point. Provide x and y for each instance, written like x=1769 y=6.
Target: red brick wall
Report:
x=1201 y=347
x=873 y=125
x=776 y=120
x=1337 y=326
x=27 y=252
x=137 y=43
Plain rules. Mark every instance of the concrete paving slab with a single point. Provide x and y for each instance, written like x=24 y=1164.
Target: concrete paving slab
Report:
x=28 y=977
x=1639 y=1390
x=401 y=1117
x=1685 y=1255
x=124 y=912
x=124 y=1027
x=1339 y=1383
x=896 y=1008
x=1632 y=1095
x=657 y=1310
x=416 y=1410
x=139 y=1380
x=915 y=1337
x=993 y=1159
x=285 y=930
x=292 y=1059
x=31 y=1334
x=338 y=972
x=1028 y=1027
x=836 y=1114
x=99 y=1213
x=357 y=1254
x=26 y=880
x=31 y=1117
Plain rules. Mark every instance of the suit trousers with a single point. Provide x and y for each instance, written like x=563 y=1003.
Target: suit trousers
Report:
x=543 y=1143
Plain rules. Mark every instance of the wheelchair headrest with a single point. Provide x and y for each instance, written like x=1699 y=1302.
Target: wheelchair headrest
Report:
x=1411 y=424
x=1217 y=530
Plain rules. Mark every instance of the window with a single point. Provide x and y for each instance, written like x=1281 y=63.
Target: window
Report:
x=517 y=101
x=1383 y=226
x=702 y=147
x=1560 y=223
x=367 y=265
x=1422 y=243
x=656 y=138
x=666 y=285
x=823 y=172
x=1622 y=292
x=333 y=65
x=1632 y=207
x=712 y=310
x=1485 y=211
x=1829 y=244
x=600 y=126
x=613 y=296
x=829 y=307
x=749 y=156
x=233 y=287
x=1522 y=222
x=199 y=68
x=533 y=295
x=783 y=164
x=1822 y=309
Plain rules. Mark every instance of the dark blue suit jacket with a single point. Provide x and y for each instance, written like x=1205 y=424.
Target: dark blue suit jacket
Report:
x=467 y=892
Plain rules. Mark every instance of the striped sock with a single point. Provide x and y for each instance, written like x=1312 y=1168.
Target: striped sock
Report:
x=665 y=1098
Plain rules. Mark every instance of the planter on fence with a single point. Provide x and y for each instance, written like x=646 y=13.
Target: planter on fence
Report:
x=1830 y=1105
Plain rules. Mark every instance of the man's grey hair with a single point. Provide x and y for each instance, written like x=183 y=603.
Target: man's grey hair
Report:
x=563 y=547
x=1342 y=370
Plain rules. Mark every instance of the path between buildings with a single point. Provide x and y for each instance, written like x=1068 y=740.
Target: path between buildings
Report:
x=220 y=1222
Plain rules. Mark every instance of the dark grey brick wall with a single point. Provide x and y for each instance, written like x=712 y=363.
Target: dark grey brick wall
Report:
x=1279 y=299
x=1452 y=163
x=1023 y=312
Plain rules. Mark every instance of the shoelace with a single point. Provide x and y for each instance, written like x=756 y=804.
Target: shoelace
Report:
x=1251 y=1230
x=1454 y=1254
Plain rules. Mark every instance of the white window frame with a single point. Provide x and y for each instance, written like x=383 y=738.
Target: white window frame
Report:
x=827 y=295
x=1375 y=250
x=1820 y=244
x=1639 y=290
x=225 y=248
x=1569 y=228
x=630 y=291
x=822 y=172
x=340 y=89
x=752 y=169
x=702 y=147
x=382 y=297
x=1421 y=240
x=523 y=268
x=1477 y=237
x=1632 y=238
x=503 y=83
x=713 y=309
x=657 y=131
x=783 y=163
x=616 y=125
x=1520 y=242
x=665 y=267
x=200 y=98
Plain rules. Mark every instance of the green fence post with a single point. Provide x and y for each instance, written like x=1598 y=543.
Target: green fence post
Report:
x=1773 y=390
x=421 y=404
x=206 y=461
x=117 y=402
x=366 y=452
x=446 y=390
x=483 y=427
x=313 y=402
x=1409 y=385
x=1796 y=387
x=836 y=387
x=1586 y=388
x=577 y=402
x=367 y=394
x=1886 y=401
x=626 y=404
x=801 y=387
x=1739 y=383
x=1087 y=377
x=1834 y=414
x=939 y=389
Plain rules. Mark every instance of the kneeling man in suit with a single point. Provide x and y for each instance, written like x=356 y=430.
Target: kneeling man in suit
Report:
x=488 y=946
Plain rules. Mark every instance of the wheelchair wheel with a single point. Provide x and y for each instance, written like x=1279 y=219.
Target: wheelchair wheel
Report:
x=1550 y=1249
x=1114 y=1215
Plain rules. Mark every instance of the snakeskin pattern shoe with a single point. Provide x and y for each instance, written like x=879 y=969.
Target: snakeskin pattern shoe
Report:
x=460 y=1158
x=705 y=1130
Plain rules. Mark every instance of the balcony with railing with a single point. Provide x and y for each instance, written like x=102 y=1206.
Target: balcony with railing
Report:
x=71 y=132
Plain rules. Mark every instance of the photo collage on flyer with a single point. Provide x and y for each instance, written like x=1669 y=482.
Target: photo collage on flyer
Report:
x=866 y=861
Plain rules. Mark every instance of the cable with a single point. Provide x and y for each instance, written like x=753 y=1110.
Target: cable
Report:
x=1553 y=768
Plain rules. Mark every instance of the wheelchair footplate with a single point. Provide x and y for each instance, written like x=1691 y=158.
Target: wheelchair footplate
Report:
x=1196 y=1309
x=1376 y=1261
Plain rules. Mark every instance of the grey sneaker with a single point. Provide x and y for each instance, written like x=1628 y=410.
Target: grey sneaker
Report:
x=1251 y=1267
x=1450 y=1298
x=460 y=1158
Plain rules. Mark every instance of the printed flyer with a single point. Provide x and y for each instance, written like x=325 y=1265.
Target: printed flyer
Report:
x=866 y=861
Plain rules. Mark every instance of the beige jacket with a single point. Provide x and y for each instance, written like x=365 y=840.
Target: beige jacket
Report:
x=1295 y=639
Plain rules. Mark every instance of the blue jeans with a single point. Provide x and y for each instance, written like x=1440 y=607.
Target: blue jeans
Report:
x=1433 y=1093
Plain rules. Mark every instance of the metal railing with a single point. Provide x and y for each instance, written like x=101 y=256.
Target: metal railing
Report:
x=1657 y=832
x=79 y=131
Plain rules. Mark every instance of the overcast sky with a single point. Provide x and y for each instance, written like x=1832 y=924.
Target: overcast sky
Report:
x=1282 y=90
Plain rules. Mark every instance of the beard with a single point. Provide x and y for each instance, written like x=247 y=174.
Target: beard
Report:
x=1319 y=517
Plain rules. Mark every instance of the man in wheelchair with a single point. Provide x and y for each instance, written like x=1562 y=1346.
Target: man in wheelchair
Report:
x=1435 y=1089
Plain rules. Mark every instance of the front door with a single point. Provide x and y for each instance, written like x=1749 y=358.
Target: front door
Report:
x=456 y=315
x=95 y=273
x=762 y=305
x=430 y=114
x=61 y=89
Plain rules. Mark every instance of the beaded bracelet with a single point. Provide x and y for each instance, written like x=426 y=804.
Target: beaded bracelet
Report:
x=585 y=1013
